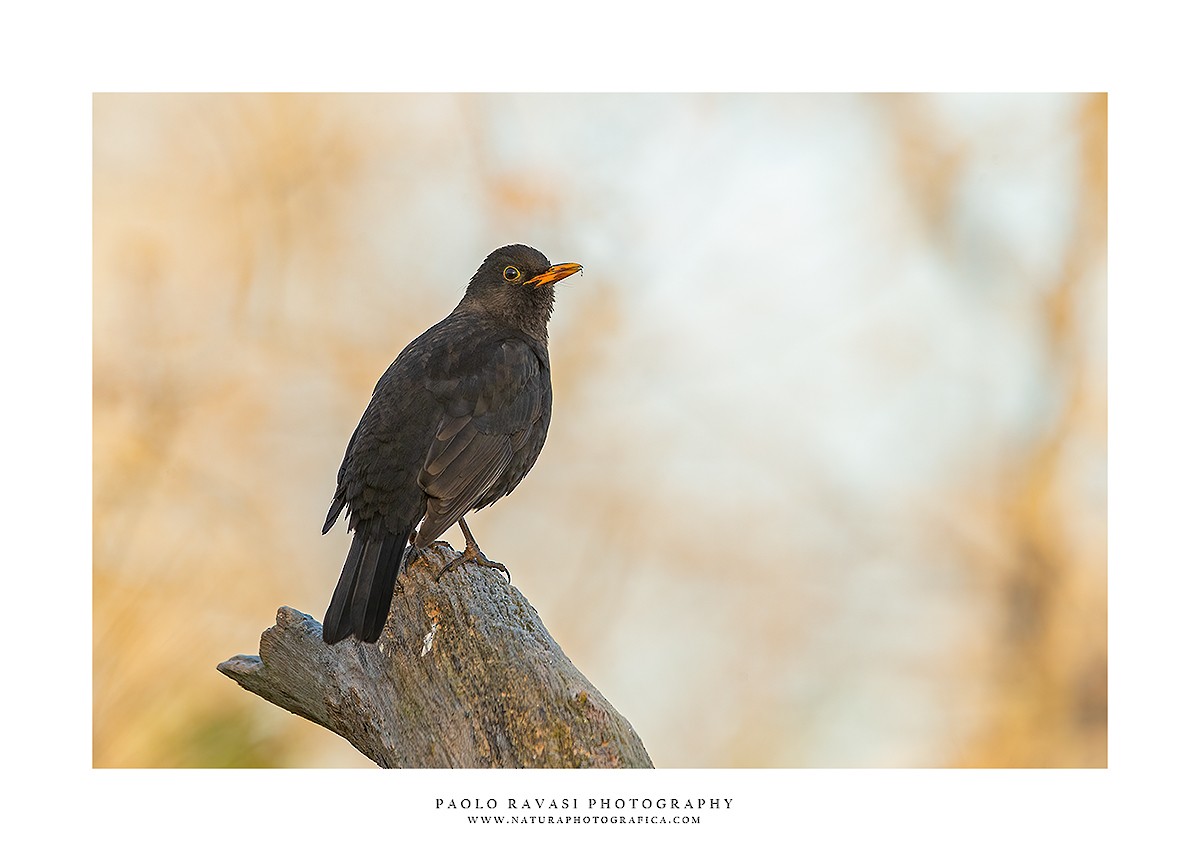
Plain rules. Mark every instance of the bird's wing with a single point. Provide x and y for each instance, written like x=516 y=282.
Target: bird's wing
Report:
x=339 y=495
x=490 y=408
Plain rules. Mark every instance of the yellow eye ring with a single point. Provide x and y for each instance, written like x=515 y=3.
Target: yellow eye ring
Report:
x=512 y=273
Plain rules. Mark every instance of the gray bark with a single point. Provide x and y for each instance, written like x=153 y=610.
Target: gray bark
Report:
x=465 y=675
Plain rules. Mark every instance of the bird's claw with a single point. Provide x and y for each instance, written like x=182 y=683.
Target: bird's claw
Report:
x=474 y=554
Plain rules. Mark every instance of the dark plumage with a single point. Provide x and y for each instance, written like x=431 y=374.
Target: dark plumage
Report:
x=454 y=424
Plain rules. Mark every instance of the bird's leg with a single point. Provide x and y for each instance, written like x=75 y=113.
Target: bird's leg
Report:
x=409 y=549
x=472 y=553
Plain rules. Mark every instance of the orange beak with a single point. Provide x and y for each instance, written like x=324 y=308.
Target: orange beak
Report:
x=554 y=274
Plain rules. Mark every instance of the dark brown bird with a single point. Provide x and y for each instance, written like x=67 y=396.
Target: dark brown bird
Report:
x=454 y=423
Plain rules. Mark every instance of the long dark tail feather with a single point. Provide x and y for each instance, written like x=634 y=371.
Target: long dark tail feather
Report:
x=371 y=603
x=363 y=595
x=337 y=625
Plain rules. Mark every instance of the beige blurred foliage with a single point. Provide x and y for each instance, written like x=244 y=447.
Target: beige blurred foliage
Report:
x=1036 y=542
x=260 y=259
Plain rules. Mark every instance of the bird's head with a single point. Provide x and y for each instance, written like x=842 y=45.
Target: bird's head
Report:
x=516 y=283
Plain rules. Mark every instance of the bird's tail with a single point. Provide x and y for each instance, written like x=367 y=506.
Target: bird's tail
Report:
x=364 y=592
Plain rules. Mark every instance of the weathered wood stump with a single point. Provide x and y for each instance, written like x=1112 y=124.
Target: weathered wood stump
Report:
x=465 y=675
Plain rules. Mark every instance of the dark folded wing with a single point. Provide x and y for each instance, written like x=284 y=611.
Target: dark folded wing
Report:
x=490 y=408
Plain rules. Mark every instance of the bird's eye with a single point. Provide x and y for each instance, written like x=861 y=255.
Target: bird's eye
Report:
x=511 y=273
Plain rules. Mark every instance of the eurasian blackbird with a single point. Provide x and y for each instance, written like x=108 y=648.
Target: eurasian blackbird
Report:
x=454 y=424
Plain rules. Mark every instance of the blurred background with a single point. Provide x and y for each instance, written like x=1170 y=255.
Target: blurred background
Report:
x=826 y=481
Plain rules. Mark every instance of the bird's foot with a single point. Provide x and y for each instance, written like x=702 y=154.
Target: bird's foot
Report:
x=473 y=554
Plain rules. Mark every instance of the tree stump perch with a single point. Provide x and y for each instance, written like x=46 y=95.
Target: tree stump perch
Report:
x=465 y=675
